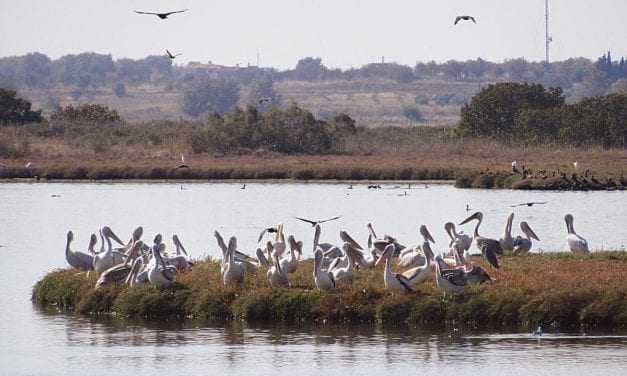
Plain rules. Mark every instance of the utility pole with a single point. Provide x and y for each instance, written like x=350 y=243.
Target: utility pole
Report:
x=548 y=38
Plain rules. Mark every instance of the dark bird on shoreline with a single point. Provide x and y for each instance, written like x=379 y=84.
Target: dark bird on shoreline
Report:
x=164 y=15
x=465 y=18
x=172 y=56
x=530 y=204
x=314 y=223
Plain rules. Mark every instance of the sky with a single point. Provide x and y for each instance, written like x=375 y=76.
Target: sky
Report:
x=344 y=33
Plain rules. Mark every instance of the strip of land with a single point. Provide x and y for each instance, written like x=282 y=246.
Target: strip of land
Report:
x=558 y=289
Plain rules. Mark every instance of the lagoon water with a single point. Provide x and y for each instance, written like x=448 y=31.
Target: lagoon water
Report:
x=33 y=225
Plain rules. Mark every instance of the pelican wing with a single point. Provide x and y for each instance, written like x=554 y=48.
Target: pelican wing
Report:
x=404 y=282
x=473 y=19
x=457 y=20
x=489 y=249
x=313 y=223
x=140 y=12
x=176 y=11
x=349 y=239
x=330 y=219
x=221 y=243
x=455 y=276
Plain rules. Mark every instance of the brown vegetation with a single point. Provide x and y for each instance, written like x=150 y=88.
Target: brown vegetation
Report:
x=558 y=289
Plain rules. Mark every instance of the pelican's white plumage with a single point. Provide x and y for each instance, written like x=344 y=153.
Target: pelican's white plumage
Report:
x=576 y=243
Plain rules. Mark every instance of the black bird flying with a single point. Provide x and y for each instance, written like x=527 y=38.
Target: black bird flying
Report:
x=164 y=15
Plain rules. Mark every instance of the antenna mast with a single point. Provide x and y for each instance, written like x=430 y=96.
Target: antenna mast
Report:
x=548 y=38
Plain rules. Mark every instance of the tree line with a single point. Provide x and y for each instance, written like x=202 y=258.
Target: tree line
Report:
x=36 y=70
x=531 y=113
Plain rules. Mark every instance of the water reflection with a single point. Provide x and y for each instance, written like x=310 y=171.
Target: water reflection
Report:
x=236 y=347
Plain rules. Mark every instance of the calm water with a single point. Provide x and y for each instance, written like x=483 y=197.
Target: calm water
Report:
x=32 y=234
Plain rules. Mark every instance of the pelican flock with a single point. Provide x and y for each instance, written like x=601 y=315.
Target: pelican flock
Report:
x=452 y=269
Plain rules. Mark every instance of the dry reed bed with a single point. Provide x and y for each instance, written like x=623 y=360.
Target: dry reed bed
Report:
x=561 y=289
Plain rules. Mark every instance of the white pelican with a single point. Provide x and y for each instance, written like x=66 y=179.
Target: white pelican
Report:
x=507 y=242
x=108 y=258
x=180 y=261
x=119 y=273
x=489 y=247
x=137 y=276
x=345 y=270
x=233 y=271
x=460 y=242
x=364 y=261
x=449 y=280
x=421 y=273
x=379 y=244
x=290 y=262
x=324 y=280
x=159 y=274
x=277 y=277
x=76 y=259
x=393 y=281
x=412 y=257
x=575 y=242
x=239 y=256
x=523 y=245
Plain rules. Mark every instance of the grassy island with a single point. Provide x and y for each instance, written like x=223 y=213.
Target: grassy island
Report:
x=557 y=289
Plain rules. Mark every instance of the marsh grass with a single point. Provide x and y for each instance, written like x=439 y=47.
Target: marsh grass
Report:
x=558 y=289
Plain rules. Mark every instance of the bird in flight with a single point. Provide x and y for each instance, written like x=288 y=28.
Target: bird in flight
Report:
x=271 y=230
x=314 y=223
x=264 y=100
x=465 y=18
x=172 y=56
x=164 y=15
x=529 y=204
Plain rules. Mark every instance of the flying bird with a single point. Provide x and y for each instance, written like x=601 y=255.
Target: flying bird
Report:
x=163 y=16
x=270 y=230
x=530 y=204
x=465 y=18
x=265 y=100
x=172 y=56
x=314 y=223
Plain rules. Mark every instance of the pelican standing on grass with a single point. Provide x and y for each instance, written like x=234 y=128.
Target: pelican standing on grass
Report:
x=323 y=279
x=489 y=247
x=460 y=242
x=109 y=257
x=449 y=280
x=391 y=280
x=424 y=272
x=523 y=244
x=412 y=257
x=159 y=274
x=79 y=260
x=575 y=242
x=119 y=273
x=507 y=242
x=233 y=271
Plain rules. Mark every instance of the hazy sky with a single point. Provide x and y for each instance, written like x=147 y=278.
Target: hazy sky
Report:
x=344 y=33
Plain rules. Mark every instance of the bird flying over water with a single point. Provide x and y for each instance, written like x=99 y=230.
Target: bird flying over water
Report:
x=529 y=204
x=270 y=230
x=172 y=56
x=314 y=223
x=465 y=18
x=164 y=15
